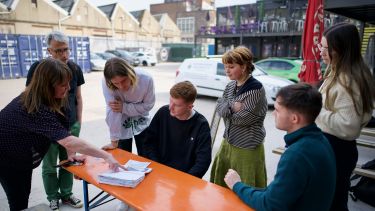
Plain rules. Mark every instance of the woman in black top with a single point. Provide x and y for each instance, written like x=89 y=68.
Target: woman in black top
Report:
x=29 y=123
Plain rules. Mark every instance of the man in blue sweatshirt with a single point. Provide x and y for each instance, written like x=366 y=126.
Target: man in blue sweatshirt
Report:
x=306 y=173
x=178 y=136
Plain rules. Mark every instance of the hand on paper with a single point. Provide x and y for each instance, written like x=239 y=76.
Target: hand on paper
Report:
x=231 y=178
x=113 y=164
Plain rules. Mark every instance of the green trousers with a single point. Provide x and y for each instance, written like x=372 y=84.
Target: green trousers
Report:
x=62 y=180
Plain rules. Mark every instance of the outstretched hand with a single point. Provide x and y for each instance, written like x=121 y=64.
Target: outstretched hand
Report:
x=231 y=178
x=114 y=165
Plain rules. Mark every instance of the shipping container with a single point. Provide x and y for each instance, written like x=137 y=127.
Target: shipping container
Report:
x=83 y=53
x=19 y=52
x=9 y=57
x=30 y=51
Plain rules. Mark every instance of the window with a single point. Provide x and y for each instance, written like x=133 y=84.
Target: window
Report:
x=281 y=65
x=264 y=65
x=186 y=25
x=220 y=70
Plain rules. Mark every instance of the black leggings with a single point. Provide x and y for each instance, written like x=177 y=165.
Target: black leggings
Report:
x=346 y=155
x=126 y=144
x=17 y=186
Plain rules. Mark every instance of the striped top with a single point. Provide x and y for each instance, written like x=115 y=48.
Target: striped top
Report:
x=244 y=129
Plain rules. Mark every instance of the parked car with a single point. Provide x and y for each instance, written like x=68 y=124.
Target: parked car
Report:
x=146 y=58
x=209 y=78
x=106 y=55
x=285 y=68
x=97 y=62
x=125 y=55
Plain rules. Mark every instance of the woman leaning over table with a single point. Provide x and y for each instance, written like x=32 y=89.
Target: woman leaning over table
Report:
x=30 y=123
x=129 y=96
x=243 y=108
x=348 y=96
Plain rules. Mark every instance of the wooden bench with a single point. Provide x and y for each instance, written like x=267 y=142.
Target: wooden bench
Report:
x=368 y=132
x=363 y=172
x=366 y=143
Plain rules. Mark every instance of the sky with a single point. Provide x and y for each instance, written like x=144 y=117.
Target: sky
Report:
x=132 y=5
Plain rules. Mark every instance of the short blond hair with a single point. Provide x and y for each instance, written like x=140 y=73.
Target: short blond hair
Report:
x=240 y=55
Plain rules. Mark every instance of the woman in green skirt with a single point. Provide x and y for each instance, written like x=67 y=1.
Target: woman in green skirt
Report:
x=243 y=108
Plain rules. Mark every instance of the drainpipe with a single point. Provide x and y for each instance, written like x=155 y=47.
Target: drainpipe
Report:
x=63 y=19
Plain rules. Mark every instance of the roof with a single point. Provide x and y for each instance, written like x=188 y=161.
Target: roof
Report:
x=138 y=14
x=67 y=5
x=158 y=17
x=108 y=9
x=8 y=4
x=362 y=10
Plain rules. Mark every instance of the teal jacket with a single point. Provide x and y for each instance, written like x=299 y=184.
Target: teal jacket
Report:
x=305 y=177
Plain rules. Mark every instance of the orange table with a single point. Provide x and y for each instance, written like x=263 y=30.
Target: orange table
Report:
x=163 y=189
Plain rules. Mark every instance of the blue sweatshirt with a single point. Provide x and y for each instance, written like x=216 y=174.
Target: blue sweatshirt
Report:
x=305 y=178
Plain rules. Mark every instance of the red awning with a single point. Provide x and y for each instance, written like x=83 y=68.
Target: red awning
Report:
x=312 y=34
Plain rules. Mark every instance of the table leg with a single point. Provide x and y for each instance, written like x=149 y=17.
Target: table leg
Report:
x=85 y=196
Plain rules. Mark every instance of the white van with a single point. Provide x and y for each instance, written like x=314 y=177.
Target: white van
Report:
x=209 y=78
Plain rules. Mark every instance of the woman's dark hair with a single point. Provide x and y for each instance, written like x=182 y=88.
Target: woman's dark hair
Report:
x=41 y=91
x=347 y=66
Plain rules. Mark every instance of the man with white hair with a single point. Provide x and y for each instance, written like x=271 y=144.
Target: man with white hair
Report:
x=58 y=48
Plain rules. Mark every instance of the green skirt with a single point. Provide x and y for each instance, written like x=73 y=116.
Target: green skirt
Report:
x=249 y=163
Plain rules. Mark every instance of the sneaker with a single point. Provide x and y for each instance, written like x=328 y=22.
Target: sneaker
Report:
x=54 y=204
x=73 y=201
x=122 y=207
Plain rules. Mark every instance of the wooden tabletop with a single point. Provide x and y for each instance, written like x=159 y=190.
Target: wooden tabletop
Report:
x=163 y=189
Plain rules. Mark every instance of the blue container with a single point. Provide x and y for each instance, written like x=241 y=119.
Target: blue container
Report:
x=30 y=51
x=42 y=42
x=73 y=47
x=83 y=53
x=211 y=49
x=9 y=57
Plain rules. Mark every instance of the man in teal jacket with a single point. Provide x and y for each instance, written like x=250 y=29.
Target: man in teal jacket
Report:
x=306 y=173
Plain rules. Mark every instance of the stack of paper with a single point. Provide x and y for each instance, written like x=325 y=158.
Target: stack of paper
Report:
x=122 y=178
x=130 y=178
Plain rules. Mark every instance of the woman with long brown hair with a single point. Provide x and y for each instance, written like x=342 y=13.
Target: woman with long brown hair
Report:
x=348 y=96
x=30 y=123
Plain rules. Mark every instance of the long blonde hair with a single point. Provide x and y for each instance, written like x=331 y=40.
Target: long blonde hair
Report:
x=41 y=90
x=347 y=66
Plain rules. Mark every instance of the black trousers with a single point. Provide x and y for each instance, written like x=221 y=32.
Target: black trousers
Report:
x=346 y=154
x=17 y=186
x=126 y=144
